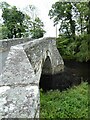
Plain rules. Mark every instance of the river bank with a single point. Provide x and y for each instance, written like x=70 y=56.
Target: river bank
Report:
x=70 y=103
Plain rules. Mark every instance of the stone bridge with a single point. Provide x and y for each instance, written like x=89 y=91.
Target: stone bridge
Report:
x=20 y=77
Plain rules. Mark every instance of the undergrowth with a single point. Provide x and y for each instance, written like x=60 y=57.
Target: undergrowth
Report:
x=71 y=103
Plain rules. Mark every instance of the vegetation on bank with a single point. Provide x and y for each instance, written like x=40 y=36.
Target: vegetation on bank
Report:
x=77 y=49
x=71 y=103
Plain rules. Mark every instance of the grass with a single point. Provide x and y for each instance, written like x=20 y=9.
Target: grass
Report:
x=71 y=103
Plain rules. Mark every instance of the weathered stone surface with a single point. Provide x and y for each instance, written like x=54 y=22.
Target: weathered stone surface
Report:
x=20 y=102
x=7 y=43
x=19 y=81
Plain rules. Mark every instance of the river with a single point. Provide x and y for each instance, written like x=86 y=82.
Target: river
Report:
x=80 y=69
x=74 y=73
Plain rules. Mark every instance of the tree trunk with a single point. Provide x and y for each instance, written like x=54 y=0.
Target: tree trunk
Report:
x=88 y=19
x=72 y=22
x=81 y=23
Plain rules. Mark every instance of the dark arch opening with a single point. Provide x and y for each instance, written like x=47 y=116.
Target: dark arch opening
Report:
x=46 y=76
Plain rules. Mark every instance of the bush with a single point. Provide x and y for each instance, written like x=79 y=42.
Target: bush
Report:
x=72 y=103
x=77 y=49
x=84 y=51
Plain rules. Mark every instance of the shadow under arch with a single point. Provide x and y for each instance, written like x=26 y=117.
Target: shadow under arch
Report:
x=46 y=76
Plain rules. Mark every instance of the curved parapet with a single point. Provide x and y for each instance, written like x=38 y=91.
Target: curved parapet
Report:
x=19 y=81
x=38 y=50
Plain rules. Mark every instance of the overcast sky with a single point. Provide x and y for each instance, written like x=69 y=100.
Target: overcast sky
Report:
x=43 y=7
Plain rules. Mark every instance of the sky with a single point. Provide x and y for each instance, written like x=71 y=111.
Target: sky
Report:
x=43 y=7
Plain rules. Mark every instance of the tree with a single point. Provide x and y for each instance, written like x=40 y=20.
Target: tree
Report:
x=88 y=18
x=35 y=25
x=4 y=5
x=19 y=24
x=37 y=28
x=62 y=14
x=4 y=32
x=74 y=21
x=83 y=12
x=13 y=21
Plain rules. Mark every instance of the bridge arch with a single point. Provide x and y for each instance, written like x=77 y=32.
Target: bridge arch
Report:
x=46 y=75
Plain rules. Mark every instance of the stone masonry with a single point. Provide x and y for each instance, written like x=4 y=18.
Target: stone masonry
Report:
x=19 y=80
x=7 y=43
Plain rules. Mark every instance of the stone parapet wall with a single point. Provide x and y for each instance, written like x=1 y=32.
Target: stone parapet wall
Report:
x=19 y=81
x=7 y=43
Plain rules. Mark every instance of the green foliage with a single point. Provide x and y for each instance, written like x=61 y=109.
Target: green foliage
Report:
x=61 y=12
x=74 y=21
x=77 y=49
x=18 y=24
x=84 y=49
x=72 y=103
x=67 y=47
x=4 y=5
x=13 y=21
x=71 y=16
x=37 y=28
x=33 y=22
x=4 y=32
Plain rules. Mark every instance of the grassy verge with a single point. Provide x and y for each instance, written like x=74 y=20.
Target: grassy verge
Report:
x=72 y=103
